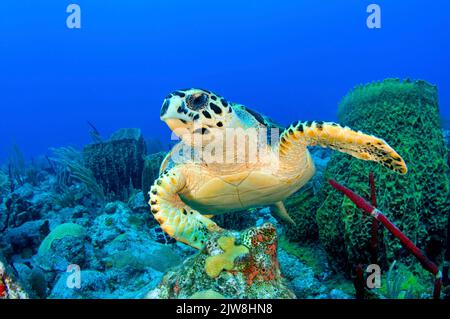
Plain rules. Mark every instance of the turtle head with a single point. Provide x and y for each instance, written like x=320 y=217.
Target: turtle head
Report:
x=196 y=113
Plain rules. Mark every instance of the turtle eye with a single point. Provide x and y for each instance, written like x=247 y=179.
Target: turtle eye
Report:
x=197 y=101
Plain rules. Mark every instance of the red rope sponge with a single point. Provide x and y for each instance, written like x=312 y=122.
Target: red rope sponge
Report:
x=407 y=243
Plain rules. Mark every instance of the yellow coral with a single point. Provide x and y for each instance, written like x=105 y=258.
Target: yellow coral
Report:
x=215 y=264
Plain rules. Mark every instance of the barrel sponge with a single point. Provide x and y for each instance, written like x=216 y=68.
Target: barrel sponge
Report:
x=61 y=231
x=215 y=264
x=406 y=115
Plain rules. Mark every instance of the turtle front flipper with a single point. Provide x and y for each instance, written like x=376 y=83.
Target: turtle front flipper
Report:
x=176 y=218
x=343 y=139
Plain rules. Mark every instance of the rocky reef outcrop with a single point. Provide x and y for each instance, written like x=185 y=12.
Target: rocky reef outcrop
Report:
x=233 y=265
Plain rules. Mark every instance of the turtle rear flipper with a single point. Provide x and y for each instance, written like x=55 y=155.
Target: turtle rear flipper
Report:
x=343 y=139
x=279 y=210
x=176 y=218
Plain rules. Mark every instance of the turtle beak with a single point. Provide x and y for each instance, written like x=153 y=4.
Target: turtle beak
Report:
x=175 y=124
x=178 y=126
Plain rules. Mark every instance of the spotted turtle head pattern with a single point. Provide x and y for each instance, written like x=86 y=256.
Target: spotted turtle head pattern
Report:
x=199 y=111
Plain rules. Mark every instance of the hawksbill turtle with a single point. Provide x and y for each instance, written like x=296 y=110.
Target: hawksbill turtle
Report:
x=193 y=188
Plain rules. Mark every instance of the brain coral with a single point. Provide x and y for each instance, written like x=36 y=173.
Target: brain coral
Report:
x=61 y=231
x=406 y=115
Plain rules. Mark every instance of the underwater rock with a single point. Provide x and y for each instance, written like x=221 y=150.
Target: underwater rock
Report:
x=137 y=203
x=119 y=219
x=93 y=285
x=117 y=164
x=406 y=115
x=127 y=283
x=301 y=278
x=34 y=280
x=139 y=253
x=233 y=264
x=27 y=236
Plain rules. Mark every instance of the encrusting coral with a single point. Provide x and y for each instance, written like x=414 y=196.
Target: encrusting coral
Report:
x=248 y=269
x=224 y=261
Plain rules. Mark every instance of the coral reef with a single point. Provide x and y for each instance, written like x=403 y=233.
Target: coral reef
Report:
x=238 y=272
x=117 y=164
x=406 y=115
x=114 y=244
x=56 y=220
x=90 y=209
x=10 y=287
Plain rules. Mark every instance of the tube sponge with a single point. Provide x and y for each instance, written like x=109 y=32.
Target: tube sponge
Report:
x=215 y=264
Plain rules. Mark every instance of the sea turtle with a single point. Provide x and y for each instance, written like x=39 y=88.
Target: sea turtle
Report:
x=197 y=185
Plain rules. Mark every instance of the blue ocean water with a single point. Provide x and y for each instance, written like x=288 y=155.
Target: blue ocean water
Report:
x=292 y=60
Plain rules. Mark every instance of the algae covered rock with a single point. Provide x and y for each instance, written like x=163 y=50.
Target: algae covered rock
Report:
x=406 y=115
x=117 y=164
x=233 y=265
x=27 y=236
